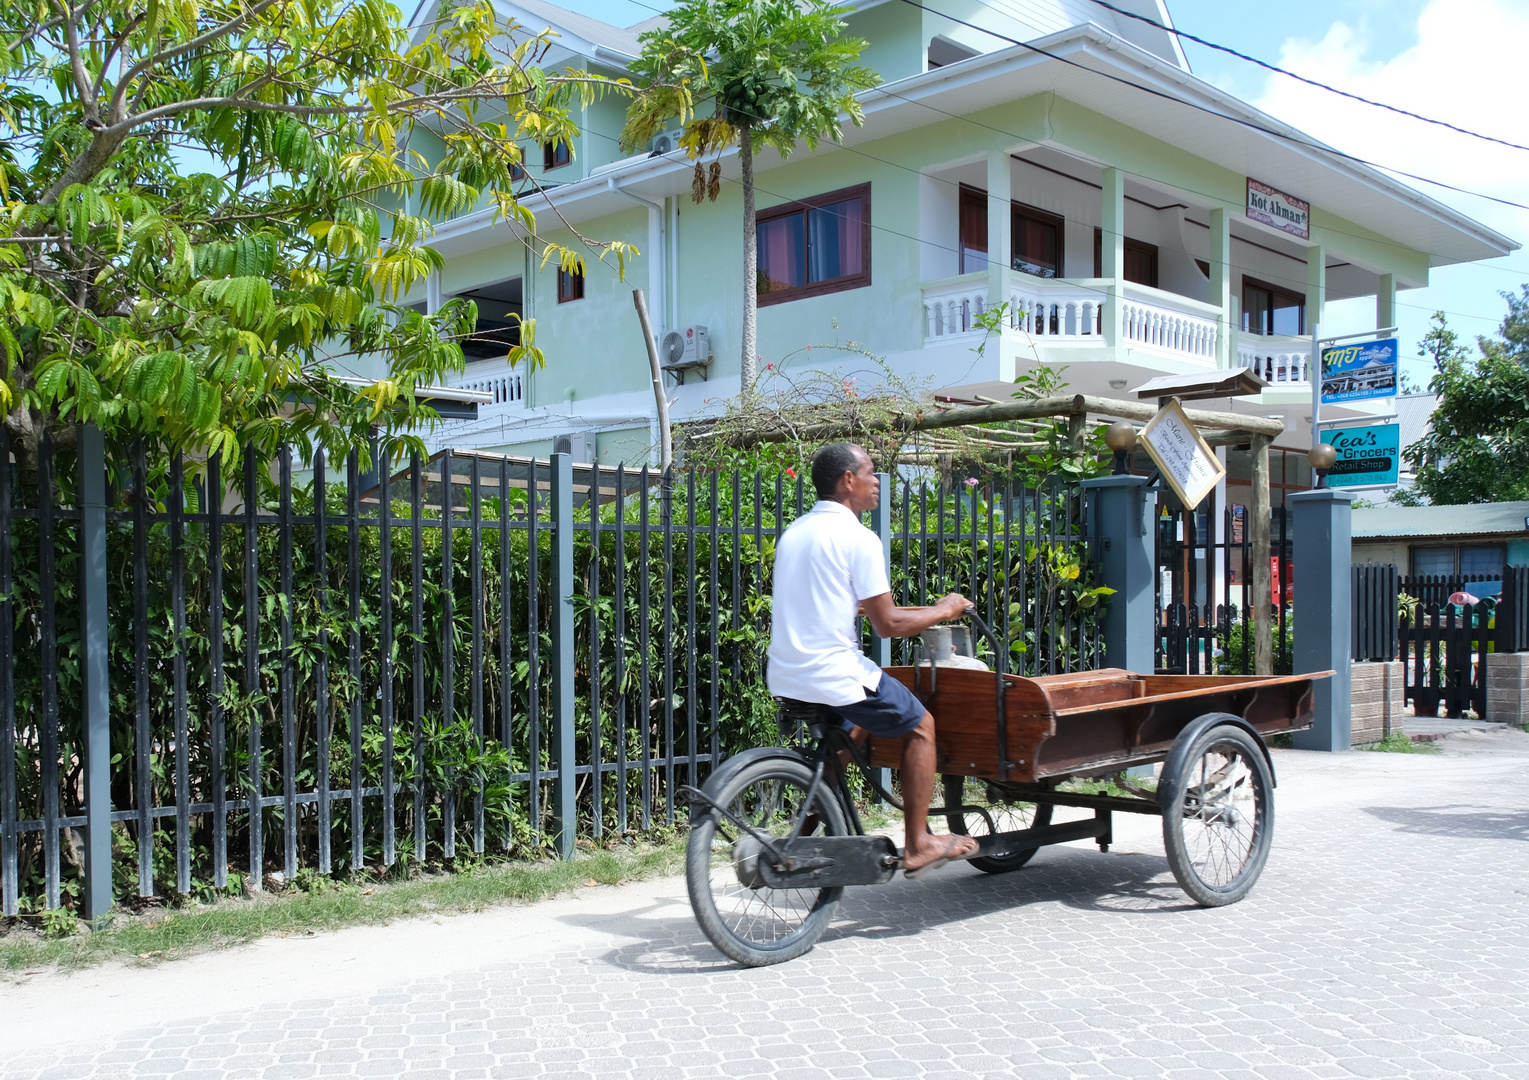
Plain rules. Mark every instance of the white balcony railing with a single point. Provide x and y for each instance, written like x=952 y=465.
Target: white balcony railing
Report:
x=1170 y=322
x=1070 y=311
x=1277 y=360
x=499 y=379
x=952 y=305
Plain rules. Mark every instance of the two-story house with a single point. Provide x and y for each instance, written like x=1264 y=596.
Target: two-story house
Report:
x=1051 y=155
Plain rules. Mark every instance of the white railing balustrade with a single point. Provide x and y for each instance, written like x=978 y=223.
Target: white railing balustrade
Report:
x=1168 y=321
x=504 y=383
x=951 y=307
x=1277 y=360
x=1059 y=310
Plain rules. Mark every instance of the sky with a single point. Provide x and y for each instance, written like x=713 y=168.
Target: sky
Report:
x=1460 y=61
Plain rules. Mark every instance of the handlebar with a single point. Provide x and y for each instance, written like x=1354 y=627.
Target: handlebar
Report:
x=1000 y=656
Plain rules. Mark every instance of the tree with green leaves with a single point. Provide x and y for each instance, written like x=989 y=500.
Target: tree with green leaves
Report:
x=1477 y=446
x=750 y=73
x=213 y=208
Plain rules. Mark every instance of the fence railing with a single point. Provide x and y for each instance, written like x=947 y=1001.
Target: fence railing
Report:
x=1375 y=612
x=475 y=654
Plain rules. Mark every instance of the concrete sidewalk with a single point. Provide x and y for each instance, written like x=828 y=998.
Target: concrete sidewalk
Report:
x=1389 y=937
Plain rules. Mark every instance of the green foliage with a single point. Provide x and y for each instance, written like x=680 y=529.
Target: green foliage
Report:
x=210 y=210
x=1239 y=643
x=777 y=71
x=1398 y=743
x=59 y=923
x=1477 y=446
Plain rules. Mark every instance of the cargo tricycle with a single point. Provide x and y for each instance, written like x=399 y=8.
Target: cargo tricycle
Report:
x=775 y=834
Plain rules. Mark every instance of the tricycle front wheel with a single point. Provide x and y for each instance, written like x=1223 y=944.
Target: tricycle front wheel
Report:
x=1218 y=825
x=744 y=918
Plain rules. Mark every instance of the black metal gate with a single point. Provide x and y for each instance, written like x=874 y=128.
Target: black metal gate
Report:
x=1203 y=587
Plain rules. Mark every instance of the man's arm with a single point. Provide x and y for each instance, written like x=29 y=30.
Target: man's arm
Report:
x=890 y=621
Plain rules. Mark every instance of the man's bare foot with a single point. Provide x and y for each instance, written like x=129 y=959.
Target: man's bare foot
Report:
x=936 y=851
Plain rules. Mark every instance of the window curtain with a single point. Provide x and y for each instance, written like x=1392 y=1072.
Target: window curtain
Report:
x=782 y=253
x=837 y=240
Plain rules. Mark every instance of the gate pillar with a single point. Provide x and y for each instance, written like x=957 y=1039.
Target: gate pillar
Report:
x=1122 y=509
x=1322 y=533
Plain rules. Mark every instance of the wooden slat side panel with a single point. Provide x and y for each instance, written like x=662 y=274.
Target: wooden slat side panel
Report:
x=965 y=706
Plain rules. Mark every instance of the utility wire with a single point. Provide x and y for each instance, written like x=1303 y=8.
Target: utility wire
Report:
x=1302 y=79
x=1253 y=125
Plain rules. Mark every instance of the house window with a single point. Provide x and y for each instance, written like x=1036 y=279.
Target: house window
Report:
x=1268 y=309
x=973 y=228
x=1482 y=560
x=1479 y=561
x=555 y=155
x=570 y=285
x=814 y=246
x=1140 y=260
x=1036 y=239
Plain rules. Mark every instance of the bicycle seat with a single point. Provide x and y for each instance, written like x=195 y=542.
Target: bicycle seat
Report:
x=795 y=716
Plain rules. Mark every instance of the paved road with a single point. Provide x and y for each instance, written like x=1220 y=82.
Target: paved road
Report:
x=1389 y=937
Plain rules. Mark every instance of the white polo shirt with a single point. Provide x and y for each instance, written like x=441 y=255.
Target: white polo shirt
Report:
x=825 y=565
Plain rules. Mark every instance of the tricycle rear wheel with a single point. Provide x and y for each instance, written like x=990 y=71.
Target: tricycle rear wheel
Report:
x=744 y=918
x=1002 y=815
x=1219 y=823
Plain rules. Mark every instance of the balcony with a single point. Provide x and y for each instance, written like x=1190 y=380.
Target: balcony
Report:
x=1069 y=312
x=506 y=384
x=1279 y=361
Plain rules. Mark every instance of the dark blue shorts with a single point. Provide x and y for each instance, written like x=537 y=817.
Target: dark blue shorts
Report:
x=888 y=712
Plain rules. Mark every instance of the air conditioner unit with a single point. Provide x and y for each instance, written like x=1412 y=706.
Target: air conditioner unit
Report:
x=579 y=445
x=685 y=350
x=665 y=142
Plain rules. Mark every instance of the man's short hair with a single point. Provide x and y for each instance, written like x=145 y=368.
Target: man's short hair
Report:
x=831 y=463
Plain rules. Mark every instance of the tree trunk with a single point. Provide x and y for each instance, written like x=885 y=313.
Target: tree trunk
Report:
x=660 y=399
x=750 y=261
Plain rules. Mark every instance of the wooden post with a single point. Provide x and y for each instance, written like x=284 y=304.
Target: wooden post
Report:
x=1263 y=584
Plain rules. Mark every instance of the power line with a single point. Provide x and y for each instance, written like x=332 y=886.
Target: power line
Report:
x=1252 y=125
x=1303 y=79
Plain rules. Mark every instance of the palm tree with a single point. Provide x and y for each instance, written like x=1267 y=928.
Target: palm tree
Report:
x=771 y=73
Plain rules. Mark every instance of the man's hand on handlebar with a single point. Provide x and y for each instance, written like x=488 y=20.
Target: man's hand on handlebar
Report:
x=890 y=621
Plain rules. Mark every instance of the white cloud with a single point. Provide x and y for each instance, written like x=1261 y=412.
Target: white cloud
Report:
x=1467 y=68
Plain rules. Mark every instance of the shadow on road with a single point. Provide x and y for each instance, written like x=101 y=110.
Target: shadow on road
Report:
x=1123 y=883
x=1458 y=820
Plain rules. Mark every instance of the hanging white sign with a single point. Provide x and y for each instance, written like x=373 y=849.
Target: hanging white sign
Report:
x=1187 y=462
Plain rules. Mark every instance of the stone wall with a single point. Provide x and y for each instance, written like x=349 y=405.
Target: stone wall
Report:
x=1508 y=688
x=1379 y=700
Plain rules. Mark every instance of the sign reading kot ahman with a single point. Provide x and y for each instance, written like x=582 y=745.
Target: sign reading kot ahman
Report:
x=1274 y=207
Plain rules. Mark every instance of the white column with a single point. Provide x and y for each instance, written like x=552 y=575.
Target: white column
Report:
x=1000 y=235
x=1113 y=243
x=1221 y=286
x=1385 y=302
x=1316 y=284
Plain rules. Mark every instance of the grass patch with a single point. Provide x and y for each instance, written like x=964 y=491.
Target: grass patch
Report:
x=177 y=932
x=1396 y=743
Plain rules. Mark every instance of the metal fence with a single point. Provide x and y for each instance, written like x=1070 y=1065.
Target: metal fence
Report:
x=1375 y=613
x=206 y=676
x=1203 y=588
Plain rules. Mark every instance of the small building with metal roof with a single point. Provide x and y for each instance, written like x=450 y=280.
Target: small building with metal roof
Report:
x=1472 y=540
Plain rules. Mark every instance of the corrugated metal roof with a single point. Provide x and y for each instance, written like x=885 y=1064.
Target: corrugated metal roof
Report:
x=1475 y=519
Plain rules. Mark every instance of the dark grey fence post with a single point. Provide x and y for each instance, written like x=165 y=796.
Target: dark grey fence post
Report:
x=1323 y=531
x=96 y=706
x=564 y=810
x=1122 y=520
x=881 y=525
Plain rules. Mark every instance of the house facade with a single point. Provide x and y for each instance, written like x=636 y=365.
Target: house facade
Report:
x=1064 y=162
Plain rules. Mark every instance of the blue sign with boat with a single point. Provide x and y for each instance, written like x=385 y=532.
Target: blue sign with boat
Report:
x=1359 y=372
x=1367 y=455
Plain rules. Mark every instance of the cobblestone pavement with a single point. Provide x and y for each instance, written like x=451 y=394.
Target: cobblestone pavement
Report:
x=1389 y=937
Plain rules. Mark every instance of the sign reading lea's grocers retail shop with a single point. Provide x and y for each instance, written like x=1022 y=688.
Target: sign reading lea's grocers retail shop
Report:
x=1366 y=455
x=1280 y=209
